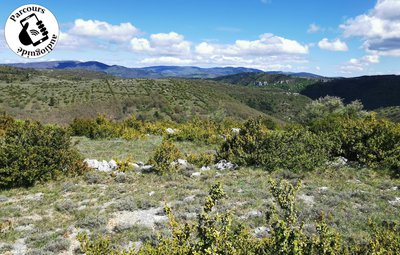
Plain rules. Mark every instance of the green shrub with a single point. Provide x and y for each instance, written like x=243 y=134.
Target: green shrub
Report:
x=201 y=159
x=99 y=128
x=31 y=152
x=164 y=158
x=296 y=148
x=5 y=122
x=365 y=140
x=331 y=106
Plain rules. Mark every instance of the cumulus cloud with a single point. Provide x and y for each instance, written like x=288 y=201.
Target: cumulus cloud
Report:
x=267 y=52
x=380 y=28
x=313 y=28
x=359 y=65
x=335 y=45
x=103 y=30
x=164 y=44
x=266 y=45
x=68 y=41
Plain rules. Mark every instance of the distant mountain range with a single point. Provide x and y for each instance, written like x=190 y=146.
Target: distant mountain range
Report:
x=152 y=71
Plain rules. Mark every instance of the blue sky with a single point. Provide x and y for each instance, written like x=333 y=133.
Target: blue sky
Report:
x=330 y=37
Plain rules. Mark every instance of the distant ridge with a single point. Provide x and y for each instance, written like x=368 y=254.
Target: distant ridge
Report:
x=151 y=71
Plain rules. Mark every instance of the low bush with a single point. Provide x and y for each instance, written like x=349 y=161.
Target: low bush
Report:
x=201 y=159
x=31 y=152
x=366 y=140
x=164 y=158
x=296 y=148
x=6 y=121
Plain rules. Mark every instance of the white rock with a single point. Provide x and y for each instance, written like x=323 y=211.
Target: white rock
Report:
x=261 y=231
x=189 y=198
x=395 y=202
x=224 y=164
x=182 y=162
x=113 y=164
x=340 y=161
x=322 y=189
x=170 y=130
x=151 y=193
x=102 y=166
x=309 y=200
x=236 y=130
x=146 y=167
x=205 y=168
x=196 y=174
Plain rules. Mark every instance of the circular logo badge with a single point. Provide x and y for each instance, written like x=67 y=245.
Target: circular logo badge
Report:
x=31 y=31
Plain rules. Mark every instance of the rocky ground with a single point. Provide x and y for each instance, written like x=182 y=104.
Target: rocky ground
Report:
x=46 y=219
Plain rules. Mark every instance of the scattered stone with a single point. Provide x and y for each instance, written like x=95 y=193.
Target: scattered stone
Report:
x=261 y=232
x=251 y=214
x=196 y=174
x=225 y=165
x=239 y=191
x=19 y=247
x=236 y=130
x=170 y=131
x=24 y=228
x=338 y=162
x=34 y=197
x=217 y=175
x=3 y=199
x=395 y=202
x=205 y=168
x=190 y=215
x=113 y=164
x=392 y=188
x=102 y=166
x=151 y=193
x=182 y=162
x=309 y=200
x=322 y=189
x=189 y=198
x=126 y=219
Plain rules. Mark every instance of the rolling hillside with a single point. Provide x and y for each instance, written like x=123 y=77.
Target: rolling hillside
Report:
x=271 y=80
x=373 y=91
x=61 y=95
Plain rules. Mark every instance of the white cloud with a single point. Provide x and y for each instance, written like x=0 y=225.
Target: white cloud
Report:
x=267 y=52
x=204 y=48
x=141 y=44
x=379 y=28
x=313 y=28
x=166 y=61
x=335 y=45
x=103 y=30
x=162 y=44
x=267 y=45
x=68 y=41
x=359 y=65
